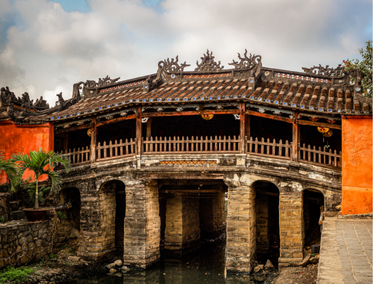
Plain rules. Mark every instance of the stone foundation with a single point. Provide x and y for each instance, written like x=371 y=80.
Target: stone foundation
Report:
x=141 y=225
x=291 y=228
x=23 y=243
x=241 y=229
x=182 y=232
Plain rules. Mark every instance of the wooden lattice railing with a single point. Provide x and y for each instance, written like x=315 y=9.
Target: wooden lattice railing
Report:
x=201 y=145
x=320 y=156
x=77 y=156
x=191 y=145
x=268 y=148
x=118 y=149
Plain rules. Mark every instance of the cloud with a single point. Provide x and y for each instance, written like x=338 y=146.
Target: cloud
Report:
x=45 y=46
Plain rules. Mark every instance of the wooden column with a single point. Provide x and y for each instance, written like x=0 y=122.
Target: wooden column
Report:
x=139 y=131
x=65 y=146
x=149 y=128
x=247 y=126
x=242 y=128
x=93 y=139
x=296 y=137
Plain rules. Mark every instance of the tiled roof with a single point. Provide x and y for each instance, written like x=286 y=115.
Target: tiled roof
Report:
x=296 y=92
x=317 y=90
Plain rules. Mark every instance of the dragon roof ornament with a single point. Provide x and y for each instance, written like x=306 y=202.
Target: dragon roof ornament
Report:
x=326 y=71
x=208 y=63
x=246 y=62
x=102 y=82
x=172 y=66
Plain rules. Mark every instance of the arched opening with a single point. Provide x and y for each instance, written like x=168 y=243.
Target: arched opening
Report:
x=192 y=215
x=313 y=206
x=267 y=221
x=114 y=205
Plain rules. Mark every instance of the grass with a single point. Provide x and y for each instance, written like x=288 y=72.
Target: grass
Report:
x=15 y=275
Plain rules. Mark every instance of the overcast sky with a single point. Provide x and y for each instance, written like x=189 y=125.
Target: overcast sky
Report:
x=47 y=46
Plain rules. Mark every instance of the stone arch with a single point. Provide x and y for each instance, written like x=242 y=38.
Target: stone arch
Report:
x=313 y=207
x=267 y=220
x=113 y=208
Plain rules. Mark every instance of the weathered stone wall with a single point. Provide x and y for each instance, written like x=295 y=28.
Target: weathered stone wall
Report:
x=241 y=229
x=291 y=228
x=174 y=223
x=141 y=225
x=25 y=242
x=261 y=206
x=191 y=230
x=182 y=231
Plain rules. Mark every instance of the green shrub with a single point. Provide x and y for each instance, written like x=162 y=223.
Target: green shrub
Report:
x=15 y=275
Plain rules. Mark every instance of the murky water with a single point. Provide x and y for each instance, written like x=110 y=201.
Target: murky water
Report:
x=206 y=265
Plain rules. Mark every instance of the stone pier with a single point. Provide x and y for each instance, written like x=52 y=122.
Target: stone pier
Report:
x=182 y=232
x=142 y=225
x=291 y=228
x=241 y=229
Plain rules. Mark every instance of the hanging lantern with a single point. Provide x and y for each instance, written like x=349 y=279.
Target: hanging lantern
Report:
x=89 y=132
x=206 y=116
x=328 y=134
x=322 y=129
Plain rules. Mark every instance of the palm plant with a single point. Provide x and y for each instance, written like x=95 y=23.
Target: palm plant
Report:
x=42 y=163
x=10 y=169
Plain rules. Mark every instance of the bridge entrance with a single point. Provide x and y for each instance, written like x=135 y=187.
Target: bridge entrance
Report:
x=267 y=222
x=192 y=212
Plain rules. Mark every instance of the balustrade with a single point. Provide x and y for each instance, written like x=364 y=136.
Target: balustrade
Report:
x=191 y=145
x=116 y=150
x=203 y=145
x=77 y=156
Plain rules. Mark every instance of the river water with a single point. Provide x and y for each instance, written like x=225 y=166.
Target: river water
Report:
x=206 y=265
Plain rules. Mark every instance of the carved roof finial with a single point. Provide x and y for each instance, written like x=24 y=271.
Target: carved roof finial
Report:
x=326 y=71
x=246 y=62
x=208 y=63
x=172 y=66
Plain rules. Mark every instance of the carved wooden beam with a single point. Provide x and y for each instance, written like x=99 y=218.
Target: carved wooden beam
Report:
x=131 y=116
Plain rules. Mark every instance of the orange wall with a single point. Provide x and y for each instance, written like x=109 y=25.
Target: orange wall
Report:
x=357 y=165
x=24 y=138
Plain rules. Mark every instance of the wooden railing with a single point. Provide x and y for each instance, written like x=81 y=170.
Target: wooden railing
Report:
x=191 y=145
x=201 y=145
x=320 y=156
x=111 y=151
x=77 y=156
x=268 y=148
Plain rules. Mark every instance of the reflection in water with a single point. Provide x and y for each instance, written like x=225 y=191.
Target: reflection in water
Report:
x=206 y=265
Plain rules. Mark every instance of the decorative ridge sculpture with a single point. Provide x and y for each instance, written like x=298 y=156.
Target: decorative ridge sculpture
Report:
x=246 y=62
x=208 y=63
x=326 y=71
x=172 y=66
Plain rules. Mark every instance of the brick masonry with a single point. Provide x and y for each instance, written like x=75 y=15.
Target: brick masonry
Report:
x=291 y=228
x=241 y=229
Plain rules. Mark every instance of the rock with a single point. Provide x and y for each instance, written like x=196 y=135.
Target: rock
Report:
x=124 y=269
x=74 y=258
x=305 y=260
x=118 y=274
x=112 y=271
x=260 y=278
x=258 y=268
x=74 y=234
x=118 y=263
x=315 y=259
x=268 y=265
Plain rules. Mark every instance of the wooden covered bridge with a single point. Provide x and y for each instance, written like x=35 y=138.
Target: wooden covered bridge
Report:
x=163 y=161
